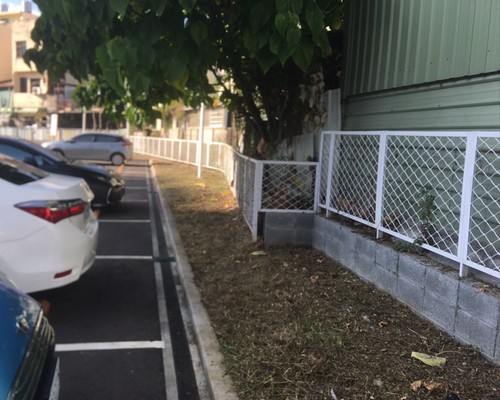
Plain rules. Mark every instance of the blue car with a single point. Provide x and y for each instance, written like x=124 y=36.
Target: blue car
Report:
x=28 y=368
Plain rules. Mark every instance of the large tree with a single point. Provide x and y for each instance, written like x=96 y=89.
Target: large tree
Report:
x=145 y=52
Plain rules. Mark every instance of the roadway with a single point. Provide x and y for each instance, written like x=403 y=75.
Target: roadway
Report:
x=123 y=330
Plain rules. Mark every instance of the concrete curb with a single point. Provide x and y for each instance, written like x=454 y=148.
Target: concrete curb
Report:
x=219 y=383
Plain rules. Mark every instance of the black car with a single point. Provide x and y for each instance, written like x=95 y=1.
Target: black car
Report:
x=107 y=185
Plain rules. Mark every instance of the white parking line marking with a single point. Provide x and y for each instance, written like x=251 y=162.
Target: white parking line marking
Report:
x=154 y=344
x=149 y=258
x=128 y=221
x=171 y=389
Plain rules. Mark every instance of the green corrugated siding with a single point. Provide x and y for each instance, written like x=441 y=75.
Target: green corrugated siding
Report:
x=464 y=104
x=396 y=43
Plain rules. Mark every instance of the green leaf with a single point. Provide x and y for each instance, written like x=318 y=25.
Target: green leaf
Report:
x=283 y=6
x=173 y=68
x=188 y=5
x=304 y=54
x=119 y=6
x=281 y=23
x=254 y=42
x=278 y=46
x=199 y=32
x=314 y=18
x=260 y=14
x=293 y=38
x=295 y=6
x=266 y=59
x=158 y=6
x=117 y=49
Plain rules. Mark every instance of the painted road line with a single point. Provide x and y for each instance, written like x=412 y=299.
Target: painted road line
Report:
x=149 y=258
x=128 y=221
x=154 y=344
x=171 y=389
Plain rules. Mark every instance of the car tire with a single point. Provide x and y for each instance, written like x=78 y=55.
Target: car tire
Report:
x=117 y=158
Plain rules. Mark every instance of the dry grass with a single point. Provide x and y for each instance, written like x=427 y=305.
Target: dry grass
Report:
x=295 y=325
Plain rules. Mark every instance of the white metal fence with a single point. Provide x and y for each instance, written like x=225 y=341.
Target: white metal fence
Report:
x=257 y=185
x=439 y=190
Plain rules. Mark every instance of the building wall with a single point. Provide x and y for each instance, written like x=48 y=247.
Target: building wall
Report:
x=397 y=43
x=462 y=104
x=421 y=64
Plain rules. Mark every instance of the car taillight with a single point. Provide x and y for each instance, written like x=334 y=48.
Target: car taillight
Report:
x=54 y=211
x=126 y=143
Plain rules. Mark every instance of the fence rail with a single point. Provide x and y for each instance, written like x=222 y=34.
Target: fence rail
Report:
x=438 y=190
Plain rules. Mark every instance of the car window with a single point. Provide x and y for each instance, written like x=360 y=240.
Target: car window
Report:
x=14 y=172
x=83 y=139
x=25 y=156
x=105 y=138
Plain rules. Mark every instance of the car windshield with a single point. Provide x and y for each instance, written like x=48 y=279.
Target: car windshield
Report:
x=18 y=173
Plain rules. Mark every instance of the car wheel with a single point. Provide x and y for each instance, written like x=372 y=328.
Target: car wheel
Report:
x=117 y=159
x=58 y=151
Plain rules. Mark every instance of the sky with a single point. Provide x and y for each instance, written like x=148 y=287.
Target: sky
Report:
x=15 y=5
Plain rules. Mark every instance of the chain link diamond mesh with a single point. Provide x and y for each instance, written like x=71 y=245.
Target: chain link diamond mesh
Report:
x=288 y=185
x=355 y=175
x=422 y=189
x=484 y=232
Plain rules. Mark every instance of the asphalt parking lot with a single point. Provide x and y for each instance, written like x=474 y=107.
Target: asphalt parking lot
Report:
x=122 y=331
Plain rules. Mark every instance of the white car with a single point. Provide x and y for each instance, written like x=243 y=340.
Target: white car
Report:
x=48 y=232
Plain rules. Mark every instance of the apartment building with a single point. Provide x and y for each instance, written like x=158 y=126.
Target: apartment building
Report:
x=26 y=96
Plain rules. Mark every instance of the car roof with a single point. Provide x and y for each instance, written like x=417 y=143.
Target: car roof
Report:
x=26 y=144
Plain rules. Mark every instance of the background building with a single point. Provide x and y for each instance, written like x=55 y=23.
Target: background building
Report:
x=26 y=96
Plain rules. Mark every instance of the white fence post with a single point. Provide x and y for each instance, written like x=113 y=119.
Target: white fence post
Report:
x=465 y=208
x=379 y=196
x=257 y=197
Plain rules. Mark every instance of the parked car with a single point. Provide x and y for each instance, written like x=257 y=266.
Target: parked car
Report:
x=48 y=232
x=107 y=185
x=94 y=146
x=28 y=368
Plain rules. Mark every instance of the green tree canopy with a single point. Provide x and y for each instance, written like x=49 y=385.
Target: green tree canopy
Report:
x=146 y=52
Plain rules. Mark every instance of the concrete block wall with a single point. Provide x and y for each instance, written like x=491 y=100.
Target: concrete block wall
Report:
x=458 y=306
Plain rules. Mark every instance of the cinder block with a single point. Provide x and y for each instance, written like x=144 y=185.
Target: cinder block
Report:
x=484 y=306
x=303 y=237
x=303 y=220
x=345 y=253
x=440 y=312
x=411 y=269
x=279 y=220
x=387 y=257
x=365 y=246
x=332 y=247
x=332 y=228
x=363 y=262
x=496 y=357
x=347 y=238
x=473 y=331
x=278 y=237
x=410 y=293
x=318 y=240
x=442 y=284
x=385 y=279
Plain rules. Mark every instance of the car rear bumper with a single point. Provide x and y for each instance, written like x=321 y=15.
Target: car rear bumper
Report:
x=69 y=253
